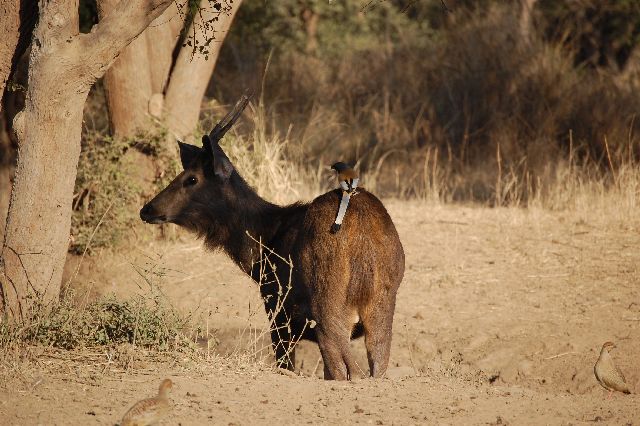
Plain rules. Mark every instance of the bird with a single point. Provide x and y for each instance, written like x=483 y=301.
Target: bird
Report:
x=149 y=411
x=608 y=373
x=347 y=177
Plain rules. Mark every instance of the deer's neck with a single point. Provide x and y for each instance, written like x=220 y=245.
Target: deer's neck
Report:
x=253 y=229
x=249 y=222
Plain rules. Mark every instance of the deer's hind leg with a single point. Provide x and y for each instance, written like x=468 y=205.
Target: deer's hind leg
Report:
x=377 y=319
x=334 y=334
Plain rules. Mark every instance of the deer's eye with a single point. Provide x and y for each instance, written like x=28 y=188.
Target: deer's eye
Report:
x=190 y=181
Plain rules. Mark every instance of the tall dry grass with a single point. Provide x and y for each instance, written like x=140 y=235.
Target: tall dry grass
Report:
x=473 y=112
x=262 y=154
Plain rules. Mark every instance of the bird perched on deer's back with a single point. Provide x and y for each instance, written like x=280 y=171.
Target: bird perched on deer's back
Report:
x=347 y=175
x=608 y=373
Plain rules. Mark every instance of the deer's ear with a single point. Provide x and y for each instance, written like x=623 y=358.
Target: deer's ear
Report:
x=188 y=153
x=222 y=167
x=206 y=144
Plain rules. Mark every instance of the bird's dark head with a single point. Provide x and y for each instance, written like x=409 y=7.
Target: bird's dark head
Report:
x=340 y=167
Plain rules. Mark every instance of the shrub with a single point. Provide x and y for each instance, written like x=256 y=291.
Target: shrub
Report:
x=146 y=321
x=114 y=177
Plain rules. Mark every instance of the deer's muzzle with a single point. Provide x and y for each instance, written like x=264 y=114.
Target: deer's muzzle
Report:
x=148 y=214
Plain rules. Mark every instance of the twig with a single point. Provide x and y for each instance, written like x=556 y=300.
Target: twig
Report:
x=409 y=346
x=24 y=268
x=561 y=355
x=452 y=222
x=613 y=172
x=570 y=150
x=499 y=179
x=364 y=8
x=315 y=369
x=630 y=140
x=279 y=319
x=548 y=275
x=75 y=274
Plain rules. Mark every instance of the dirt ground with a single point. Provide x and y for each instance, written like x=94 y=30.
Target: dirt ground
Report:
x=499 y=320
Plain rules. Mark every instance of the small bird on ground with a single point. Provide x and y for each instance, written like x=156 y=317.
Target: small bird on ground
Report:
x=149 y=411
x=608 y=373
x=347 y=177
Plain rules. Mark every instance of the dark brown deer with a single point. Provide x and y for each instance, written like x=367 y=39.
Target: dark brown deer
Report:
x=346 y=282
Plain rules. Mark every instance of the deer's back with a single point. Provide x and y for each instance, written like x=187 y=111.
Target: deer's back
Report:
x=364 y=257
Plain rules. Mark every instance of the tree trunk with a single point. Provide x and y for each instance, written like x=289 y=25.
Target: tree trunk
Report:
x=192 y=71
x=63 y=66
x=161 y=37
x=526 y=18
x=9 y=30
x=630 y=74
x=135 y=84
x=127 y=83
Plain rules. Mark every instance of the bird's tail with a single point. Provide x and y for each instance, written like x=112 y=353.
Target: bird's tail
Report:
x=344 y=203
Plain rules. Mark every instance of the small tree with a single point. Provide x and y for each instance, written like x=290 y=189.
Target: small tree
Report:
x=63 y=65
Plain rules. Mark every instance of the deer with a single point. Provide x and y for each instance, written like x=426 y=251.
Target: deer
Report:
x=316 y=285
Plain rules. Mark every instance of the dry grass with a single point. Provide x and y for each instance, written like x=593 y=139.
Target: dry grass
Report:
x=473 y=112
x=275 y=166
x=147 y=321
x=261 y=158
x=258 y=334
x=525 y=129
x=145 y=326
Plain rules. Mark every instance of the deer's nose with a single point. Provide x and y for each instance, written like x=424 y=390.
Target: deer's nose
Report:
x=145 y=212
x=150 y=214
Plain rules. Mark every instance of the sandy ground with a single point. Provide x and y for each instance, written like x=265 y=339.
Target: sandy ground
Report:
x=499 y=320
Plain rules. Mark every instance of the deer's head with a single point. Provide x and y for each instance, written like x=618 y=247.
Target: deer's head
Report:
x=206 y=191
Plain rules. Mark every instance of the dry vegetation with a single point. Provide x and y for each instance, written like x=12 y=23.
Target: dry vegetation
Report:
x=465 y=111
x=471 y=110
x=499 y=319
x=470 y=106
x=426 y=111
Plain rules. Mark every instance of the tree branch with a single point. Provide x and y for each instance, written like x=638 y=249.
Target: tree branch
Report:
x=123 y=24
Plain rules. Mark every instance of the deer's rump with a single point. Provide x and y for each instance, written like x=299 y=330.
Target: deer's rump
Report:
x=357 y=268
